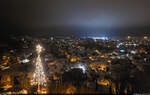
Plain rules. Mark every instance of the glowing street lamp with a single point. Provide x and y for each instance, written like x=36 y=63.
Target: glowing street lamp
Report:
x=145 y=37
x=129 y=37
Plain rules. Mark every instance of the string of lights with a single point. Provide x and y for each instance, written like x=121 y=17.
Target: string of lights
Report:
x=39 y=77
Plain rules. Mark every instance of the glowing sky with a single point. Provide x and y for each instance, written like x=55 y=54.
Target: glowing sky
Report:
x=108 y=14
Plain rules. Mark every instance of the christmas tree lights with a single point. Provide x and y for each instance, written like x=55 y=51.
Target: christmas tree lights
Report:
x=39 y=77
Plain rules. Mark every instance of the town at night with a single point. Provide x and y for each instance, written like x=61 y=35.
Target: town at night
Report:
x=74 y=47
x=75 y=65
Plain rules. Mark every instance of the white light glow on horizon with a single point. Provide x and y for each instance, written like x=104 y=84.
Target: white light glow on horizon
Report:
x=102 y=38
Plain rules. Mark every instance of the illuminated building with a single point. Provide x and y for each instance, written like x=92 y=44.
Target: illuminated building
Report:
x=103 y=82
x=6 y=82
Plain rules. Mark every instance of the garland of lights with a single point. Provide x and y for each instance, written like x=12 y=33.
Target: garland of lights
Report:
x=39 y=77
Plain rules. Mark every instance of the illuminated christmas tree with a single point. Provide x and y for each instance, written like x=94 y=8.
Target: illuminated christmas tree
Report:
x=39 y=77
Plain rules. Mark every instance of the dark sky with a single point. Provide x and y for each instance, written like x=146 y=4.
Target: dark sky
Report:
x=75 y=17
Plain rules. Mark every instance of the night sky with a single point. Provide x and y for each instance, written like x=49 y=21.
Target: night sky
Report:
x=75 y=17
